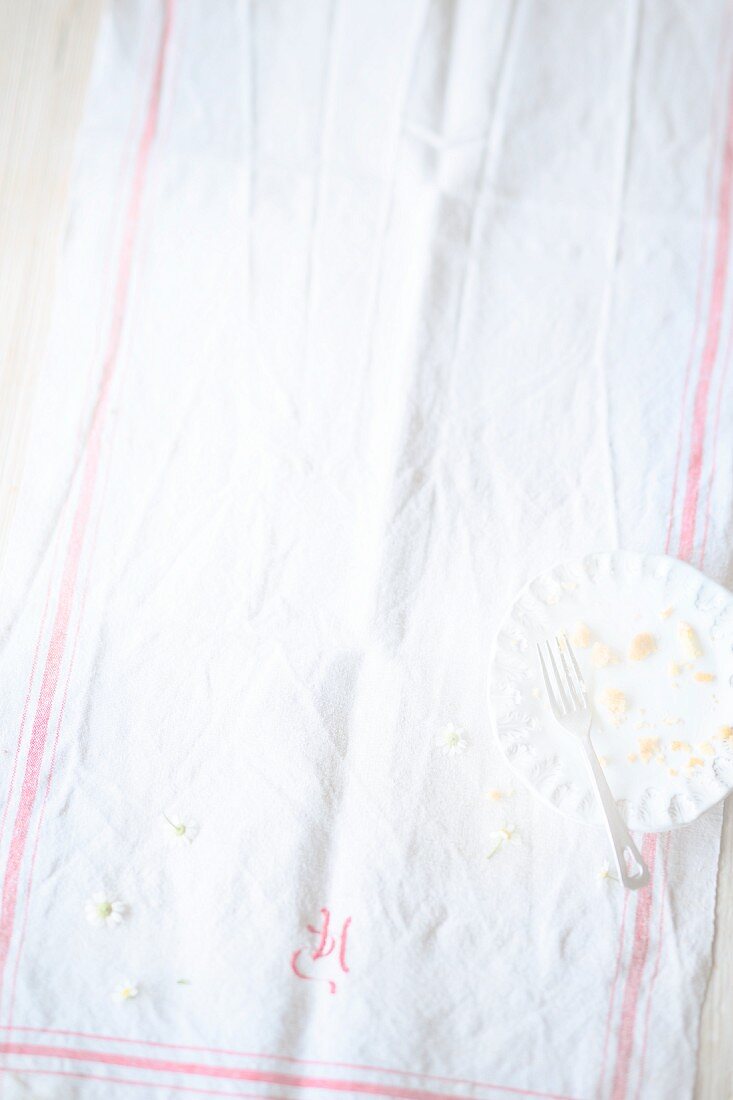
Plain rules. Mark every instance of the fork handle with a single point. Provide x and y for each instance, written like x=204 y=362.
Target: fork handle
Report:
x=618 y=834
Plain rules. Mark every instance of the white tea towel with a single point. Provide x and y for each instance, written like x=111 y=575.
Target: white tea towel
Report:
x=367 y=312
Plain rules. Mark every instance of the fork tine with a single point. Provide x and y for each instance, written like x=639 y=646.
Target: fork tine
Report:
x=580 y=682
x=568 y=682
x=548 y=685
x=558 y=680
x=571 y=654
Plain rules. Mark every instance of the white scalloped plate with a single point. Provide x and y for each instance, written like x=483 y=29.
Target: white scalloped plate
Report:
x=618 y=595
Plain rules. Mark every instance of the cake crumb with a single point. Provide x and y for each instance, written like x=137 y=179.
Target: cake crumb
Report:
x=603 y=761
x=642 y=646
x=602 y=655
x=690 y=641
x=673 y=771
x=632 y=757
x=725 y=733
x=681 y=746
x=704 y=677
x=673 y=669
x=666 y=612
x=695 y=762
x=648 y=747
x=615 y=703
x=707 y=748
x=495 y=794
x=581 y=636
x=671 y=720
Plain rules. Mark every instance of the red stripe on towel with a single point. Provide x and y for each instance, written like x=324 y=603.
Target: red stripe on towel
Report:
x=639 y=952
x=711 y=345
x=60 y=629
x=261 y=1076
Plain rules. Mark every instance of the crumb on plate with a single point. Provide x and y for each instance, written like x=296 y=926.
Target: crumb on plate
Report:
x=673 y=771
x=649 y=747
x=615 y=702
x=725 y=733
x=690 y=641
x=674 y=669
x=695 y=762
x=704 y=677
x=581 y=636
x=666 y=612
x=642 y=646
x=681 y=746
x=707 y=748
x=632 y=758
x=602 y=655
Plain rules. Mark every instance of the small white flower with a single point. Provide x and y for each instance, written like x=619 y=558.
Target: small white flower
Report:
x=125 y=991
x=501 y=837
x=101 y=909
x=179 y=830
x=451 y=740
x=605 y=873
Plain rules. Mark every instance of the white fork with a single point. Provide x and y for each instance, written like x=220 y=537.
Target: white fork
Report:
x=569 y=702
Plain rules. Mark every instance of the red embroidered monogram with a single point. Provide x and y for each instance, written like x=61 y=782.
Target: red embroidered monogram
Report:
x=325 y=949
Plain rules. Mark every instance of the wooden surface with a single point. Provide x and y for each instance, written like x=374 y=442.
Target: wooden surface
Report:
x=45 y=56
x=715 y=1057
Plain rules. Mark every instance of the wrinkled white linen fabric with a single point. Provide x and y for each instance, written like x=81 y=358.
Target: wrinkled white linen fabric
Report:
x=366 y=313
